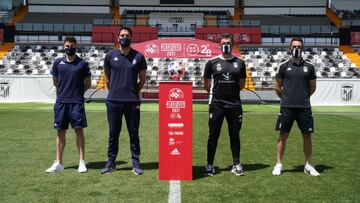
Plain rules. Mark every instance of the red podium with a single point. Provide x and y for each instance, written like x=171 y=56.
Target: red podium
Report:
x=175 y=131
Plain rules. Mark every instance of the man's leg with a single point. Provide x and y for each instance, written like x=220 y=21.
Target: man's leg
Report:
x=234 y=120
x=114 y=114
x=216 y=117
x=132 y=117
x=60 y=145
x=80 y=142
x=281 y=145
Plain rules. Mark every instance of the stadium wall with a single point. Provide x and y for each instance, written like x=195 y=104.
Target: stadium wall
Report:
x=346 y=4
x=276 y=7
x=69 y=6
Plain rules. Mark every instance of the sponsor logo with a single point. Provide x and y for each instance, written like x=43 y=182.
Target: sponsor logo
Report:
x=175 y=152
x=235 y=65
x=170 y=47
x=175 y=115
x=176 y=94
x=175 y=104
x=134 y=62
x=151 y=48
x=116 y=59
x=4 y=89
x=175 y=125
x=218 y=67
x=176 y=133
x=346 y=93
x=226 y=76
x=62 y=62
x=289 y=69
x=192 y=49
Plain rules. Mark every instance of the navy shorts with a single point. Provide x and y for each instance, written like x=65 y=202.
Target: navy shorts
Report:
x=303 y=117
x=65 y=113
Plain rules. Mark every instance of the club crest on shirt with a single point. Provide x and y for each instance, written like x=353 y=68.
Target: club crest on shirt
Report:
x=116 y=59
x=305 y=69
x=235 y=65
x=218 y=67
x=134 y=62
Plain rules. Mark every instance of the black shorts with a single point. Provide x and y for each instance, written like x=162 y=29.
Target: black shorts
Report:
x=65 y=113
x=303 y=117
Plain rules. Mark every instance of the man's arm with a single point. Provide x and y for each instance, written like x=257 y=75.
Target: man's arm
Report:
x=242 y=82
x=312 y=86
x=87 y=83
x=278 y=87
x=107 y=78
x=207 y=84
x=55 y=81
x=142 y=79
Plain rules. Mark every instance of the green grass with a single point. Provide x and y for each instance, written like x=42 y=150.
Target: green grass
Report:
x=27 y=148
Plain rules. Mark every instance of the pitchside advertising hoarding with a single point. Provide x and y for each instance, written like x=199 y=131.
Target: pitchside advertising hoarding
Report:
x=175 y=131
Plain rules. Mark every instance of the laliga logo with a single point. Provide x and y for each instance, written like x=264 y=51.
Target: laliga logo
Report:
x=151 y=48
x=176 y=93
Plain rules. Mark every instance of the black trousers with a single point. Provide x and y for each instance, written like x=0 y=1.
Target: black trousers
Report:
x=234 y=119
x=115 y=112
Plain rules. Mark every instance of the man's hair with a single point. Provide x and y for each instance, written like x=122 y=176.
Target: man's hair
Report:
x=226 y=36
x=127 y=29
x=297 y=39
x=70 y=39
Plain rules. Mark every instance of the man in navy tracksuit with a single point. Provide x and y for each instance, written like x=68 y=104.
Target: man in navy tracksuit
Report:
x=125 y=72
x=71 y=77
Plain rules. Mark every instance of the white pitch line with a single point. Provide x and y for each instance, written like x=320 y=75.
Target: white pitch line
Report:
x=174 y=191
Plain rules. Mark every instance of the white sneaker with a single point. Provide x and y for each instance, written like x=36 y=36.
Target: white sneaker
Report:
x=311 y=170
x=57 y=166
x=277 y=170
x=82 y=167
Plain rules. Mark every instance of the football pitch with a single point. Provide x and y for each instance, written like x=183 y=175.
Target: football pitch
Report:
x=27 y=148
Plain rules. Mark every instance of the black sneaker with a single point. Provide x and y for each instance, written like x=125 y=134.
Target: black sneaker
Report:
x=108 y=168
x=137 y=171
x=209 y=170
x=238 y=170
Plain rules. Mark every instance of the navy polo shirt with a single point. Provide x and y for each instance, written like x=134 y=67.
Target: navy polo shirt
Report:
x=71 y=78
x=296 y=78
x=124 y=72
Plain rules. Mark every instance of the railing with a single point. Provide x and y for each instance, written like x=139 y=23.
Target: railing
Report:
x=123 y=21
x=308 y=41
x=49 y=27
x=49 y=38
x=299 y=29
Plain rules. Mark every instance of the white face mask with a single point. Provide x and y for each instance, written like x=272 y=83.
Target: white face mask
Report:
x=296 y=53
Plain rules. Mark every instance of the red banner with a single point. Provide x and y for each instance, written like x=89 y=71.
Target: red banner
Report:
x=175 y=131
x=355 y=38
x=241 y=35
x=179 y=48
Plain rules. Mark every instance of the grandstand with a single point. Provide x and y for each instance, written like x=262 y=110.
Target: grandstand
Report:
x=32 y=37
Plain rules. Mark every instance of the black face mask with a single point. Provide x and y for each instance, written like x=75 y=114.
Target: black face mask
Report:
x=296 y=53
x=226 y=48
x=70 y=51
x=125 y=42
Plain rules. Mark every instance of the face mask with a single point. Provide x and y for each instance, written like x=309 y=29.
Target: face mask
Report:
x=226 y=48
x=70 y=51
x=296 y=53
x=125 y=42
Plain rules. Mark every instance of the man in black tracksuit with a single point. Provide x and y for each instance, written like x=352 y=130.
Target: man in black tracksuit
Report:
x=295 y=83
x=224 y=77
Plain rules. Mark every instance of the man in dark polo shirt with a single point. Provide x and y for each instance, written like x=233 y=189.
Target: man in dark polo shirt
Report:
x=224 y=77
x=295 y=83
x=125 y=71
x=71 y=77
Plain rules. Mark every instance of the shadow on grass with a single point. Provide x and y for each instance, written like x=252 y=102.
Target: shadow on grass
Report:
x=97 y=165
x=145 y=166
x=198 y=171
x=320 y=168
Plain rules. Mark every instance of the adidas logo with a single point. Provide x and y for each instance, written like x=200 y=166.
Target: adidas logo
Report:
x=289 y=68
x=62 y=62
x=116 y=59
x=175 y=152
